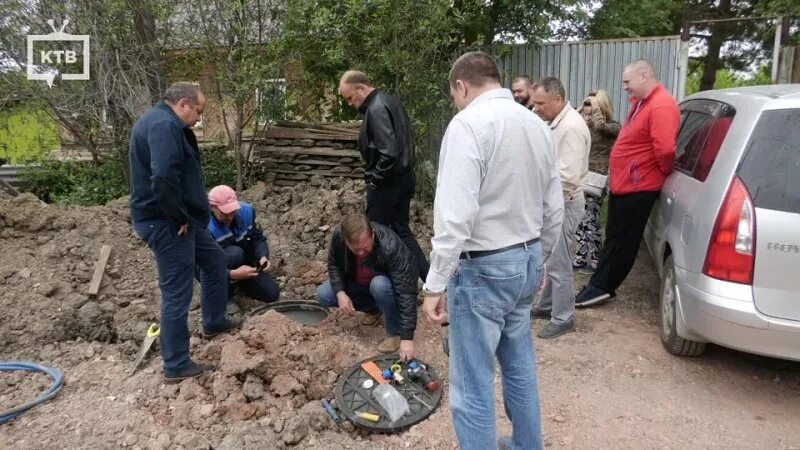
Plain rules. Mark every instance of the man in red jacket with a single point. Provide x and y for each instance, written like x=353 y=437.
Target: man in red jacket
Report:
x=640 y=162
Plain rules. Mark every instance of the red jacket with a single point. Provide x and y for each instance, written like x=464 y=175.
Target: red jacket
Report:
x=642 y=156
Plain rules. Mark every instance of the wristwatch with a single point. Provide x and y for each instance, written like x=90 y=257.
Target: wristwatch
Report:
x=428 y=293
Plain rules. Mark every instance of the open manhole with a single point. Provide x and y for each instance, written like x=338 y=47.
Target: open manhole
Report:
x=306 y=313
x=353 y=397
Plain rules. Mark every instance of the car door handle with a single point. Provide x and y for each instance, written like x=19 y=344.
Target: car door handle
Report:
x=670 y=197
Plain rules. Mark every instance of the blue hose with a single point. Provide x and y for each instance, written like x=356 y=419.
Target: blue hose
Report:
x=55 y=374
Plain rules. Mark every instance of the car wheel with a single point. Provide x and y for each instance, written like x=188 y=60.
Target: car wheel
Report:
x=668 y=312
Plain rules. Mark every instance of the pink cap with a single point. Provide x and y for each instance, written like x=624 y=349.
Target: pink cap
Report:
x=223 y=198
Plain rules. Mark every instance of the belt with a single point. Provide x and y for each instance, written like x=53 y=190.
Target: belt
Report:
x=481 y=253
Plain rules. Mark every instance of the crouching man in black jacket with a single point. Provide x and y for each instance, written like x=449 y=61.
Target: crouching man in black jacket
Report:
x=371 y=270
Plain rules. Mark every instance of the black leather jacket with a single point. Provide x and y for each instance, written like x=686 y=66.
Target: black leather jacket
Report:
x=386 y=140
x=389 y=257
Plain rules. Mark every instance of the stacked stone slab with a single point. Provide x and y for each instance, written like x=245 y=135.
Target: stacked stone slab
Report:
x=292 y=152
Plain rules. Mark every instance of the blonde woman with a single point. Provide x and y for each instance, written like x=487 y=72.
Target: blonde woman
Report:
x=604 y=129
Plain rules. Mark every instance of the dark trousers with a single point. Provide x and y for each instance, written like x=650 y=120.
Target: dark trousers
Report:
x=627 y=218
x=262 y=287
x=390 y=205
x=177 y=257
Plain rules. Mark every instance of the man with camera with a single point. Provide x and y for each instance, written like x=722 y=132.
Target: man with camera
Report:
x=233 y=225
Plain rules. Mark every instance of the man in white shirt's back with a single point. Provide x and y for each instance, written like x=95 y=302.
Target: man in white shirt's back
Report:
x=497 y=215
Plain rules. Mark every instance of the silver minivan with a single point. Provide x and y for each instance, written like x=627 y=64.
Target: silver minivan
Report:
x=725 y=233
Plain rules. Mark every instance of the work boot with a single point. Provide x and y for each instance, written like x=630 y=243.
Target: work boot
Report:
x=552 y=331
x=390 y=344
x=193 y=371
x=591 y=296
x=232 y=309
x=369 y=320
x=228 y=325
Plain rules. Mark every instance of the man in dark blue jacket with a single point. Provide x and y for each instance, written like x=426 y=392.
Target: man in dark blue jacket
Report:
x=170 y=212
x=233 y=225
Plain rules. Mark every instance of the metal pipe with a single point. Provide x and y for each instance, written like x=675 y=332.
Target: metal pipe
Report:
x=742 y=19
x=776 y=51
x=683 y=69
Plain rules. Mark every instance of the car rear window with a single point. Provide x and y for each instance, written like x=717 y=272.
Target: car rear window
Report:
x=771 y=166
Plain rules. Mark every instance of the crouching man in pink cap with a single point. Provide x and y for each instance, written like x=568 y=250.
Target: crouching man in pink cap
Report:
x=233 y=226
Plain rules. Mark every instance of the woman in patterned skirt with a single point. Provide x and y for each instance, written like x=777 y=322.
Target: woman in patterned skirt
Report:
x=604 y=129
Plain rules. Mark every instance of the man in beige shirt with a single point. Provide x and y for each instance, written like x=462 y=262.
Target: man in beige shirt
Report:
x=574 y=142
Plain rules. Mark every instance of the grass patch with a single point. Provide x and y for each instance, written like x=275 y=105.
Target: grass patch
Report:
x=27 y=134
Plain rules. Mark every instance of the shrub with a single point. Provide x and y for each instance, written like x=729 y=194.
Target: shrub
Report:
x=88 y=183
x=76 y=182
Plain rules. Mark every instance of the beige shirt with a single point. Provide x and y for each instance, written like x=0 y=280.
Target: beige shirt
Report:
x=574 y=143
x=498 y=184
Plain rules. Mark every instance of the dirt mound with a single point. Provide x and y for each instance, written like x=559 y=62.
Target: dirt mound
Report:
x=271 y=375
x=52 y=252
x=272 y=368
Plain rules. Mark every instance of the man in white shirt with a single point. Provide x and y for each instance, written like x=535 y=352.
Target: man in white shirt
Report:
x=574 y=142
x=497 y=215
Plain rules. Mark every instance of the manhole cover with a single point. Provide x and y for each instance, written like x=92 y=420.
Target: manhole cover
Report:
x=306 y=313
x=352 y=397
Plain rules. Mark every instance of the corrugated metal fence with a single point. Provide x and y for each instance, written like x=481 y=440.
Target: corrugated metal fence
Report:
x=581 y=66
x=589 y=65
x=10 y=174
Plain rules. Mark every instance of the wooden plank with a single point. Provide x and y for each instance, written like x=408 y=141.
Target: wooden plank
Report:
x=318 y=125
x=313 y=162
x=324 y=173
x=304 y=133
x=315 y=151
x=99 y=270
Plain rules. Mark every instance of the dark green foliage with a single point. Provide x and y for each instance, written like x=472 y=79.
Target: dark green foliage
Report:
x=87 y=183
x=218 y=167
x=626 y=19
x=76 y=182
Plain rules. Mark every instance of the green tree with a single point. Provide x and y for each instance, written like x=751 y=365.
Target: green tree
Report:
x=727 y=79
x=407 y=47
x=626 y=19
x=97 y=114
x=234 y=41
x=485 y=22
x=734 y=45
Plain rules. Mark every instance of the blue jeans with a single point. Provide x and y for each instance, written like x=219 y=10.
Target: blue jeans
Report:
x=176 y=258
x=262 y=287
x=379 y=296
x=489 y=305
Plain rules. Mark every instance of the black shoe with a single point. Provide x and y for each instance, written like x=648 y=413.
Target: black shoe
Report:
x=193 y=371
x=539 y=314
x=228 y=325
x=591 y=296
x=552 y=330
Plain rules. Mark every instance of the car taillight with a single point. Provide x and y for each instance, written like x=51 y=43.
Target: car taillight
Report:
x=731 y=251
